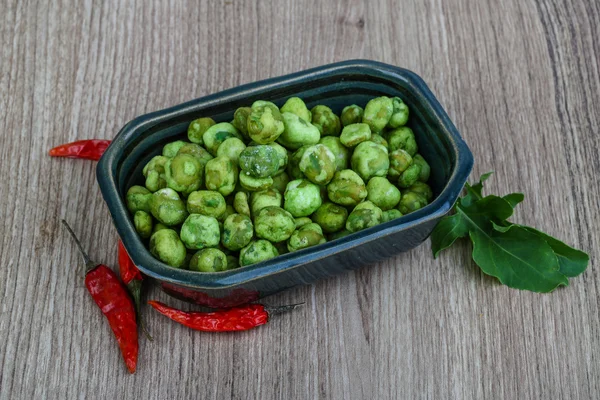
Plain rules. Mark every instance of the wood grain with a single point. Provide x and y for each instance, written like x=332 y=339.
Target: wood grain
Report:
x=520 y=79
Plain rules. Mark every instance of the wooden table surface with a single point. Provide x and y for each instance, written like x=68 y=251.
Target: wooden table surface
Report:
x=521 y=81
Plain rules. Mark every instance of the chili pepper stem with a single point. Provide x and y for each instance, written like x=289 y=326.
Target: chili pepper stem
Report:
x=272 y=310
x=89 y=264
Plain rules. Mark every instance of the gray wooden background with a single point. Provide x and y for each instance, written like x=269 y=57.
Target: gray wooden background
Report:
x=521 y=81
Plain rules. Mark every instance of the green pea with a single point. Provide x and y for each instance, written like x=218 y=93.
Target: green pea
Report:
x=197 y=151
x=138 y=199
x=330 y=217
x=231 y=148
x=302 y=198
x=423 y=189
x=297 y=132
x=378 y=112
x=206 y=202
x=318 y=164
x=379 y=140
x=154 y=172
x=260 y=161
x=265 y=124
x=264 y=198
x=306 y=236
x=166 y=247
x=425 y=168
x=346 y=188
x=351 y=115
x=365 y=215
x=410 y=176
x=295 y=105
x=282 y=154
x=354 y=134
x=280 y=182
x=209 y=260
x=184 y=173
x=197 y=128
x=257 y=251
x=399 y=115
x=240 y=120
x=298 y=222
x=326 y=121
x=389 y=215
x=403 y=138
x=199 y=231
x=237 y=232
x=167 y=207
x=370 y=159
x=217 y=134
x=143 y=224
x=274 y=224
x=259 y=104
x=221 y=175
x=382 y=193
x=240 y=203
x=252 y=184
x=400 y=160
x=341 y=152
x=157 y=227
x=411 y=202
x=170 y=149
x=293 y=168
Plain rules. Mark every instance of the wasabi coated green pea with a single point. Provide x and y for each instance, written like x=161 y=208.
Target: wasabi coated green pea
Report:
x=410 y=202
x=138 y=199
x=410 y=176
x=354 y=134
x=237 y=232
x=382 y=193
x=206 y=202
x=231 y=147
x=252 y=184
x=341 y=152
x=265 y=124
x=400 y=160
x=260 y=161
x=293 y=168
x=298 y=132
x=264 y=198
x=282 y=156
x=379 y=140
x=301 y=198
x=257 y=251
x=340 y=234
x=326 y=121
x=197 y=151
x=351 y=115
x=370 y=159
x=221 y=175
x=167 y=207
x=240 y=120
x=403 y=138
x=232 y=262
x=330 y=217
x=274 y=224
x=298 y=222
x=365 y=215
x=306 y=236
x=389 y=215
x=346 y=188
x=183 y=173
x=295 y=105
x=280 y=181
x=197 y=128
x=318 y=164
x=166 y=247
x=425 y=168
x=378 y=112
x=154 y=172
x=421 y=188
x=170 y=149
x=199 y=231
x=240 y=204
x=209 y=260
x=400 y=113
x=143 y=224
x=217 y=134
x=258 y=104
x=157 y=227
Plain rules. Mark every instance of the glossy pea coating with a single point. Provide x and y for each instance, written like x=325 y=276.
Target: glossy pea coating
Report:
x=257 y=251
x=184 y=173
x=318 y=164
x=365 y=215
x=421 y=188
x=354 y=134
x=265 y=124
x=330 y=217
x=351 y=115
x=166 y=246
x=346 y=188
x=425 y=168
x=206 y=202
x=298 y=222
x=295 y=105
x=154 y=172
x=326 y=121
x=143 y=224
x=410 y=176
x=399 y=115
x=306 y=236
x=382 y=193
x=240 y=120
x=199 y=231
x=170 y=149
x=378 y=112
x=410 y=202
x=400 y=160
x=167 y=207
x=260 y=161
x=197 y=128
x=158 y=226
x=217 y=134
x=370 y=159
x=197 y=151
x=221 y=174
x=293 y=168
x=341 y=152
x=231 y=147
x=274 y=224
x=280 y=181
x=264 y=198
x=403 y=138
x=237 y=232
x=376 y=138
x=302 y=198
x=138 y=199
x=389 y=215
x=254 y=184
x=340 y=234
x=209 y=260
x=298 y=132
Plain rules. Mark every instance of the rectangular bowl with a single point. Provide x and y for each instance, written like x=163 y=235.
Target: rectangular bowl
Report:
x=335 y=85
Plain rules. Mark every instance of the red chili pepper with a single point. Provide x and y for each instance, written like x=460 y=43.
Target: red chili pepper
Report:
x=239 y=318
x=237 y=297
x=91 y=149
x=111 y=296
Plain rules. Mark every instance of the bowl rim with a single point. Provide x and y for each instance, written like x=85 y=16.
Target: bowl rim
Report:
x=106 y=173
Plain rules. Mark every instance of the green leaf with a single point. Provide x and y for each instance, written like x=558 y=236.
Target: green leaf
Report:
x=514 y=198
x=446 y=232
x=474 y=191
x=572 y=262
x=518 y=258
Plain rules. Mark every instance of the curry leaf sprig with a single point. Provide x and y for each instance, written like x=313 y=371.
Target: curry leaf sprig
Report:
x=520 y=257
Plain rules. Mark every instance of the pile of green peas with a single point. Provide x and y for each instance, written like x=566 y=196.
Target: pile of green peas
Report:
x=276 y=180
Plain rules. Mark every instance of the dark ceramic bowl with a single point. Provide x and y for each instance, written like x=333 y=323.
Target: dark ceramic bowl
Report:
x=336 y=85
